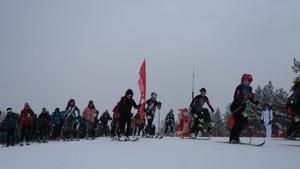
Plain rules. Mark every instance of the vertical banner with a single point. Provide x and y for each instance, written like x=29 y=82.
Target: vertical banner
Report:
x=142 y=86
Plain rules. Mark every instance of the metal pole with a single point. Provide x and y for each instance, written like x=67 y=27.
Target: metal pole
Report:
x=158 y=122
x=193 y=85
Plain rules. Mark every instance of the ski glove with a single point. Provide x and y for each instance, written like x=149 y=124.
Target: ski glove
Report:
x=159 y=105
x=270 y=122
x=212 y=110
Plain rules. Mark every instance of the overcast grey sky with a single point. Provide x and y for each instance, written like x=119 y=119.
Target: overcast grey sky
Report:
x=55 y=50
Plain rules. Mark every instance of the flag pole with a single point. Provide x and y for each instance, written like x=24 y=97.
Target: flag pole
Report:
x=193 y=85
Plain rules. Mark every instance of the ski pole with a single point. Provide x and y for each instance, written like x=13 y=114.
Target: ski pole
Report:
x=158 y=121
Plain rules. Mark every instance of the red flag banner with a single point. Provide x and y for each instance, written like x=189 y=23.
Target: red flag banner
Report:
x=142 y=86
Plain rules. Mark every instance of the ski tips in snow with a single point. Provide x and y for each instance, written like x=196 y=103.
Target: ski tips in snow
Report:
x=125 y=139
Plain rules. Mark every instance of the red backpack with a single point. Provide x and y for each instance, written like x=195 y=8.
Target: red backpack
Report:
x=116 y=112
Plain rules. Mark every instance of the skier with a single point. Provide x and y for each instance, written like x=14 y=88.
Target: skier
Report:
x=34 y=129
x=10 y=122
x=115 y=124
x=125 y=106
x=89 y=114
x=151 y=105
x=104 y=119
x=56 y=119
x=293 y=109
x=71 y=118
x=44 y=123
x=26 y=119
x=242 y=94
x=2 y=133
x=170 y=122
x=266 y=119
x=2 y=128
x=200 y=115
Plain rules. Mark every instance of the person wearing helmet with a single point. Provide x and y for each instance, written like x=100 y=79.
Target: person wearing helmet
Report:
x=199 y=101
x=242 y=94
x=44 y=123
x=198 y=112
x=26 y=120
x=151 y=105
x=56 y=120
x=293 y=109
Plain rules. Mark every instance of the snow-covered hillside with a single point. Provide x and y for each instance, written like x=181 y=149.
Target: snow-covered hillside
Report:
x=166 y=153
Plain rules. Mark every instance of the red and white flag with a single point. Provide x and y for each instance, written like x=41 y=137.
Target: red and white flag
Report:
x=142 y=86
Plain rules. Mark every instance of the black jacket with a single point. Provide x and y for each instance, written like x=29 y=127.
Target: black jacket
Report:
x=105 y=117
x=11 y=120
x=170 y=118
x=44 y=119
x=125 y=106
x=242 y=94
x=198 y=103
x=152 y=105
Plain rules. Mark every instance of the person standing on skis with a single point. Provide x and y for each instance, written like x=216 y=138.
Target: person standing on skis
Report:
x=26 y=120
x=104 y=120
x=89 y=114
x=242 y=94
x=44 y=123
x=71 y=119
x=56 y=119
x=198 y=112
x=151 y=105
x=10 y=122
x=125 y=105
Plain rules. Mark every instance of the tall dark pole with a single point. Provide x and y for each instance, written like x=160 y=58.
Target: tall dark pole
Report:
x=193 y=85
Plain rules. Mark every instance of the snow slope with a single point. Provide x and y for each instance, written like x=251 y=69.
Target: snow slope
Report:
x=167 y=153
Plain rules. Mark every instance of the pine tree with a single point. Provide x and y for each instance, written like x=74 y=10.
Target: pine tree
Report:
x=296 y=68
x=280 y=121
x=217 y=124
x=268 y=94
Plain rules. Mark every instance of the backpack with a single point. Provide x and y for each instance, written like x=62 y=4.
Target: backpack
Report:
x=116 y=112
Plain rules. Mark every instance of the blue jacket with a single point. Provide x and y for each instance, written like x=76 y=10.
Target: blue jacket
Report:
x=56 y=117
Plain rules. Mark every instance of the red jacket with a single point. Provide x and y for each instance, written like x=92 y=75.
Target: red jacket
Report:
x=26 y=117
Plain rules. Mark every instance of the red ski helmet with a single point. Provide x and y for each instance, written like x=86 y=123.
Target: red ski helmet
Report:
x=247 y=77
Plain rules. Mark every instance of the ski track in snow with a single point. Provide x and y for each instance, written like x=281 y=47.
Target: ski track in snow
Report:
x=166 y=153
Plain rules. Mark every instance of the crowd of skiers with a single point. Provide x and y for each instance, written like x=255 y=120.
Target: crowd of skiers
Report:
x=71 y=124
x=67 y=125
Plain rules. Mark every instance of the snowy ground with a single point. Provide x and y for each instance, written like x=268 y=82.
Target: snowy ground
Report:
x=167 y=153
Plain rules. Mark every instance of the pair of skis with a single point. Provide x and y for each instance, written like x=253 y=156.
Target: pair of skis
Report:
x=157 y=136
x=134 y=139
x=200 y=138
x=247 y=144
